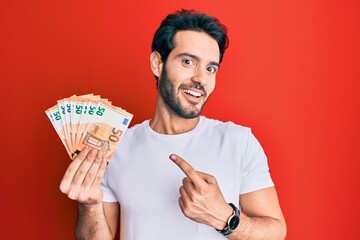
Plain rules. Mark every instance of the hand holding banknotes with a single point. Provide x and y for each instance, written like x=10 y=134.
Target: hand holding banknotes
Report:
x=83 y=177
x=90 y=128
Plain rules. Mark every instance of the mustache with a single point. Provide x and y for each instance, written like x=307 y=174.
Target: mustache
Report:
x=196 y=86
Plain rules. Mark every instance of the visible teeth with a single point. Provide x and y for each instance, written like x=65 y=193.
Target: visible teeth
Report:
x=195 y=94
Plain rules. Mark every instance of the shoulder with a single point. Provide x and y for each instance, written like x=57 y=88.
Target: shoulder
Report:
x=229 y=128
x=132 y=134
x=138 y=128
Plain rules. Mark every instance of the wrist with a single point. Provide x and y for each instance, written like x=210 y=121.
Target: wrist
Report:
x=232 y=223
x=224 y=217
x=90 y=207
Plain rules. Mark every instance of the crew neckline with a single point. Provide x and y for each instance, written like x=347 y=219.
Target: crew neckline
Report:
x=174 y=136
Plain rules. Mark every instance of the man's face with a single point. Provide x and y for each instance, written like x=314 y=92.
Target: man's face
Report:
x=188 y=77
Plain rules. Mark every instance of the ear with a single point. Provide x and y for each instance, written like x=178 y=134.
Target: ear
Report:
x=156 y=63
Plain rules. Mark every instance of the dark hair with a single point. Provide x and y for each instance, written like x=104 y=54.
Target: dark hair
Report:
x=163 y=41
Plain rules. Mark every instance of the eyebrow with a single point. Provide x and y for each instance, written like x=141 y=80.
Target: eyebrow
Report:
x=197 y=58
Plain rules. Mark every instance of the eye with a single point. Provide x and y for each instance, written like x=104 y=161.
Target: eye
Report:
x=188 y=62
x=211 y=69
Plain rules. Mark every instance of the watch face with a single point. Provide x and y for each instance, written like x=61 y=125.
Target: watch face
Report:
x=234 y=223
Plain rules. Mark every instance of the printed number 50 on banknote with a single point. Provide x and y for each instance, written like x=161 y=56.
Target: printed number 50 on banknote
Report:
x=88 y=120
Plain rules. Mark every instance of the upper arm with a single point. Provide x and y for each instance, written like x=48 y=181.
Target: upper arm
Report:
x=112 y=212
x=261 y=203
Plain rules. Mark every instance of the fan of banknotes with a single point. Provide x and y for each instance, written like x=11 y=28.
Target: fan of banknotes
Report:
x=89 y=120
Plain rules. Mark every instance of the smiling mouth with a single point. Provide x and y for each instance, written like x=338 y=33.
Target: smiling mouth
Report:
x=192 y=93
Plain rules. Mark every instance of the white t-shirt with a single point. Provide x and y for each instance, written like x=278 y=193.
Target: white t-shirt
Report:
x=145 y=182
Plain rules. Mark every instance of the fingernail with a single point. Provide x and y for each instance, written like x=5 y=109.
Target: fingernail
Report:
x=93 y=151
x=101 y=153
x=85 y=150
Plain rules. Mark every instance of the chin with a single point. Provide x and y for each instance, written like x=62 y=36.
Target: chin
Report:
x=188 y=114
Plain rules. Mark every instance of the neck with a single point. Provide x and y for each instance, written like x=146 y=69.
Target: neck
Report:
x=167 y=122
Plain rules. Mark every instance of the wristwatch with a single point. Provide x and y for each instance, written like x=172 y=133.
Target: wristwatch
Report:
x=232 y=223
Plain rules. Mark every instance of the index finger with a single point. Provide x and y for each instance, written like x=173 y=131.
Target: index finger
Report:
x=189 y=171
x=75 y=164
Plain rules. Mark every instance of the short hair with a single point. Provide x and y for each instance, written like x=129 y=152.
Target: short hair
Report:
x=163 y=41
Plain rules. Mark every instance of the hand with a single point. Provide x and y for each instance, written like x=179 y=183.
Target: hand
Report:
x=200 y=197
x=82 y=179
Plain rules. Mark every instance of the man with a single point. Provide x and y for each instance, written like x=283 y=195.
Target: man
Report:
x=216 y=184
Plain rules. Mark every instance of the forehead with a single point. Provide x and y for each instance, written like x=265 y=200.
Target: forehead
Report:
x=199 y=44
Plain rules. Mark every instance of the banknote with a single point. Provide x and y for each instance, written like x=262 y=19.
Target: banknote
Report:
x=89 y=120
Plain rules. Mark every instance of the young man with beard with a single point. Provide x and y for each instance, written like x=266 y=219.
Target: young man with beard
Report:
x=179 y=175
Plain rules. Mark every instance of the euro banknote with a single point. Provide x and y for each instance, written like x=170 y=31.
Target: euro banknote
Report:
x=89 y=121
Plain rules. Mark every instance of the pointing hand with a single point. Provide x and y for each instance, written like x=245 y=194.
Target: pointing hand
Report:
x=200 y=196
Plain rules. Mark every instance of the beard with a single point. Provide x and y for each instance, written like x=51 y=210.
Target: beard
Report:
x=168 y=93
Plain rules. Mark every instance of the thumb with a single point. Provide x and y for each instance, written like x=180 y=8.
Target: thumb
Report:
x=207 y=177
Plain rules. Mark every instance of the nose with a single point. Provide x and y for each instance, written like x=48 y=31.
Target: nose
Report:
x=200 y=76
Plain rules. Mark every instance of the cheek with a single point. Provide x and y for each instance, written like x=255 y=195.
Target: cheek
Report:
x=179 y=77
x=174 y=74
x=211 y=86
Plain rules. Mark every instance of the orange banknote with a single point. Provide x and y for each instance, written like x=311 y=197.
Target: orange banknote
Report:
x=89 y=120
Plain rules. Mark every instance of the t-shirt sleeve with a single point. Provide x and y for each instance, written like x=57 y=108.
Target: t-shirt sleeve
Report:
x=108 y=193
x=255 y=170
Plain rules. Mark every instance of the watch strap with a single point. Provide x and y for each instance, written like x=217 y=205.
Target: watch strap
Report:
x=236 y=213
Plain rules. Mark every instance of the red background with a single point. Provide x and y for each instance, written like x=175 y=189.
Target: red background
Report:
x=291 y=74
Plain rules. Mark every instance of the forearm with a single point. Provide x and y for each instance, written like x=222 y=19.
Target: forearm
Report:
x=91 y=223
x=259 y=228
